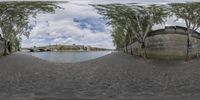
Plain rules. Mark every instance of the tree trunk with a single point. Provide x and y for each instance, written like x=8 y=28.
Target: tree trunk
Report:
x=143 y=46
x=126 y=49
x=131 y=51
x=9 y=47
x=188 y=47
x=5 y=48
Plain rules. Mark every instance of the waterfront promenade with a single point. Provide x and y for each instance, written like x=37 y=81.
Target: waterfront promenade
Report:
x=116 y=76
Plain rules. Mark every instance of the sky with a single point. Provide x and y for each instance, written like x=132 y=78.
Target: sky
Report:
x=79 y=23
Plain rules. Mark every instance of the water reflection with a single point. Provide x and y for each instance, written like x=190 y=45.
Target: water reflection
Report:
x=70 y=57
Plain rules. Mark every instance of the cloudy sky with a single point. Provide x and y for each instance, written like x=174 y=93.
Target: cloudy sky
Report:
x=78 y=23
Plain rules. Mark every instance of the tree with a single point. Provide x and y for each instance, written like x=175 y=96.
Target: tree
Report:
x=14 y=18
x=121 y=38
x=190 y=13
x=115 y=13
x=143 y=18
x=135 y=21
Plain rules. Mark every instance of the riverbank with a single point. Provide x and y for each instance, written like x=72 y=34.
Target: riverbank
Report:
x=115 y=76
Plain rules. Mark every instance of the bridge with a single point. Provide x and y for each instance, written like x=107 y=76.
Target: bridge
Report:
x=36 y=49
x=58 y=47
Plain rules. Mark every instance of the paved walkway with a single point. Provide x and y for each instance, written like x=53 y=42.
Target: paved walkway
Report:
x=110 y=77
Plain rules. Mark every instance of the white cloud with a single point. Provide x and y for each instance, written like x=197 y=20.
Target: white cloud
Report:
x=60 y=28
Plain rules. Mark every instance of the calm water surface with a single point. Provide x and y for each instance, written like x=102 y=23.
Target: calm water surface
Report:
x=69 y=57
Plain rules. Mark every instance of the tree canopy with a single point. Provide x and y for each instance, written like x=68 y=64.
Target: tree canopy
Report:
x=132 y=22
x=14 y=17
x=190 y=13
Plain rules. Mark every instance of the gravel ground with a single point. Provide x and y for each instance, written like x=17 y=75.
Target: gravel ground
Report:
x=116 y=76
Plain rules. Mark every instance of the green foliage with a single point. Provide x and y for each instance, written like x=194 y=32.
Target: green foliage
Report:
x=190 y=13
x=131 y=22
x=61 y=48
x=14 y=17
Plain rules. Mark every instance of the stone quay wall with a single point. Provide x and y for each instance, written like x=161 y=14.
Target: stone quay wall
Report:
x=168 y=44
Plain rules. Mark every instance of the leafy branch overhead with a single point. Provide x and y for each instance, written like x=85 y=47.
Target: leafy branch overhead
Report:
x=16 y=14
x=134 y=21
x=14 y=17
x=190 y=13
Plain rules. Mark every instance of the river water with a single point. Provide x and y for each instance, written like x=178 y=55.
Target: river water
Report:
x=69 y=57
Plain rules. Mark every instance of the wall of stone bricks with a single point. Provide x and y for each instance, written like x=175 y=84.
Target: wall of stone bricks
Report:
x=167 y=45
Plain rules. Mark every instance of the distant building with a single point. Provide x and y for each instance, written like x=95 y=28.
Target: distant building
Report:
x=56 y=47
x=88 y=48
